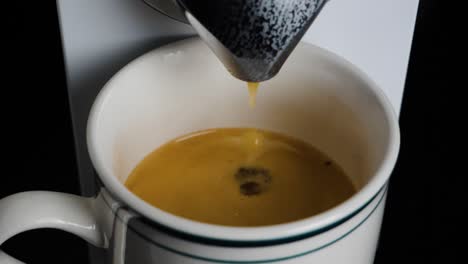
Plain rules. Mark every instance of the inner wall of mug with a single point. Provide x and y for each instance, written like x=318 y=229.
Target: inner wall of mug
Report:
x=315 y=98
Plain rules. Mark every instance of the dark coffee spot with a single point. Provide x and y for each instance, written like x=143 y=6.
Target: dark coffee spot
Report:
x=327 y=163
x=250 y=188
x=252 y=180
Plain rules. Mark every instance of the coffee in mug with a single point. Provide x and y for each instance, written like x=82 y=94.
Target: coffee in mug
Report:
x=240 y=177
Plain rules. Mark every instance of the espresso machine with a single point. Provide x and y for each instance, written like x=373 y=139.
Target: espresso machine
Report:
x=100 y=37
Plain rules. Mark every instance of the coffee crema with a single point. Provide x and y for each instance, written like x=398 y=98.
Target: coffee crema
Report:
x=240 y=177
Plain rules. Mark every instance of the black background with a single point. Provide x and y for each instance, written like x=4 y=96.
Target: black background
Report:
x=39 y=153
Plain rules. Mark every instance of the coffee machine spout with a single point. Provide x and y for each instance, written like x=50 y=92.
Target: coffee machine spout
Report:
x=251 y=38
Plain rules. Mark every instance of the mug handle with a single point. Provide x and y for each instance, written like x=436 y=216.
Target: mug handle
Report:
x=41 y=209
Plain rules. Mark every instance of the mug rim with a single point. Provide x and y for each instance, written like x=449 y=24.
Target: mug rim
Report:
x=312 y=224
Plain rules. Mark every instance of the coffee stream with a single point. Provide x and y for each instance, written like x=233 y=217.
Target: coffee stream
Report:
x=253 y=88
x=253 y=180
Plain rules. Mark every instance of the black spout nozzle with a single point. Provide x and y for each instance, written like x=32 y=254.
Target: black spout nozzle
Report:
x=252 y=38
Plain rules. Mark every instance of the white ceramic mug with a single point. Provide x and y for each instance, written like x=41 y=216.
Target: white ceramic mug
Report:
x=181 y=88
